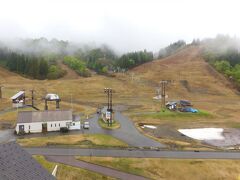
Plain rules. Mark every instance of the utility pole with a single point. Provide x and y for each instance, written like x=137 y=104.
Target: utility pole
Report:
x=111 y=110
x=1 y=91
x=132 y=76
x=32 y=91
x=163 y=84
x=71 y=102
x=24 y=97
x=108 y=91
x=158 y=92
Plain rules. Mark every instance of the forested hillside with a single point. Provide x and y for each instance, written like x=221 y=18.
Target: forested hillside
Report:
x=133 y=59
x=223 y=54
x=39 y=58
x=32 y=66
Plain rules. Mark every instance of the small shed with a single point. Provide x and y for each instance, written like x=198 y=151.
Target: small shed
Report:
x=18 y=100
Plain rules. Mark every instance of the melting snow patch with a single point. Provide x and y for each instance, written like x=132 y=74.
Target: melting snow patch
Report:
x=149 y=126
x=203 y=133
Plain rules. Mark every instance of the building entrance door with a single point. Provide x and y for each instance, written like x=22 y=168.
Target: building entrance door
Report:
x=21 y=128
x=44 y=127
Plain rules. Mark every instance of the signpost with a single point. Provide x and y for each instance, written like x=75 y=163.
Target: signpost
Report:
x=108 y=115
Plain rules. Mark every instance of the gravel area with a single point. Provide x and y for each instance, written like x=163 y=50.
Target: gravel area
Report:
x=231 y=138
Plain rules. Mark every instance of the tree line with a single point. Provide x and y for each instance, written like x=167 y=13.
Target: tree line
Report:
x=101 y=60
x=29 y=65
x=38 y=61
x=130 y=60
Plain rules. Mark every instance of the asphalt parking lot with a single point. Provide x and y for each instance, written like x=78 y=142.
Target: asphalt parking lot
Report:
x=127 y=132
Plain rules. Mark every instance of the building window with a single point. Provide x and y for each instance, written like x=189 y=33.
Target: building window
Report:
x=29 y=127
x=73 y=124
x=59 y=124
x=55 y=125
x=51 y=125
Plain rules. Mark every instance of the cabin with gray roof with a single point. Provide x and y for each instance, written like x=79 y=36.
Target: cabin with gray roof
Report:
x=18 y=100
x=17 y=164
x=46 y=121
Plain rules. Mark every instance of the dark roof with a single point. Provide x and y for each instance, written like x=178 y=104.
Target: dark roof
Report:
x=76 y=118
x=185 y=102
x=43 y=116
x=17 y=164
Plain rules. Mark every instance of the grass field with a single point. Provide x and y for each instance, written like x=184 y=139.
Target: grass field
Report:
x=172 y=169
x=166 y=114
x=115 y=124
x=68 y=172
x=81 y=140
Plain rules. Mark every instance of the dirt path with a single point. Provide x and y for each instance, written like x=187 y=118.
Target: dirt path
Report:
x=70 y=160
x=71 y=74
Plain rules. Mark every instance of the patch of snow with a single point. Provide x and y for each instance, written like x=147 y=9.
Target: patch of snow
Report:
x=204 y=133
x=149 y=126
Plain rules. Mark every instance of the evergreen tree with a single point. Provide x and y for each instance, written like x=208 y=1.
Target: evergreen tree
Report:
x=43 y=69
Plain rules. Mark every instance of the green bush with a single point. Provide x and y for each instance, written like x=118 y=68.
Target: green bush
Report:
x=55 y=72
x=77 y=65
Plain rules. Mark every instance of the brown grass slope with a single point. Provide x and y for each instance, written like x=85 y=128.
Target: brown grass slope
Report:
x=194 y=79
x=191 y=75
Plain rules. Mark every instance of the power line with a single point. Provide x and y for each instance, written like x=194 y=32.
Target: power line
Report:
x=1 y=91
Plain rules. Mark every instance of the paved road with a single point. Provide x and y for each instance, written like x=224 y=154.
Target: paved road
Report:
x=133 y=153
x=7 y=135
x=70 y=160
x=127 y=132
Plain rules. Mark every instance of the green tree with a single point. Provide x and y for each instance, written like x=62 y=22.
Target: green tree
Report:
x=43 y=69
x=222 y=66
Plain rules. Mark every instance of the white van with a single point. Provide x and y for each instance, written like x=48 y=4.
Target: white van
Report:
x=86 y=125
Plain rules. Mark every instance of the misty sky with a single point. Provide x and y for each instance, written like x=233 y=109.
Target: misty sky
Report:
x=123 y=24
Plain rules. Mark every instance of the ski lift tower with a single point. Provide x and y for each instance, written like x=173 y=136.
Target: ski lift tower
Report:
x=52 y=97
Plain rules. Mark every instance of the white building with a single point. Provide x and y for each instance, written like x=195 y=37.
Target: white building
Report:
x=45 y=121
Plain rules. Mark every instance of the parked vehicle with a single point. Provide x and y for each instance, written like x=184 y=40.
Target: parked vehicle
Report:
x=171 y=105
x=86 y=125
x=64 y=129
x=189 y=109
